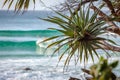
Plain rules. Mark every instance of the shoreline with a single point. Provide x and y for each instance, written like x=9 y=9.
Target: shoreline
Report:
x=43 y=68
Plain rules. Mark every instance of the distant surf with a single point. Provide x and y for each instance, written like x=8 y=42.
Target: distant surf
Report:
x=19 y=33
x=15 y=42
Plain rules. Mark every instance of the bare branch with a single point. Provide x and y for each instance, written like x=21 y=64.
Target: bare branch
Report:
x=104 y=16
x=118 y=11
x=82 y=3
x=75 y=5
x=110 y=6
x=114 y=30
x=107 y=46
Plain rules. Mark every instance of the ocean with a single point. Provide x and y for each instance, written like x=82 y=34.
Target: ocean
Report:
x=19 y=50
x=19 y=32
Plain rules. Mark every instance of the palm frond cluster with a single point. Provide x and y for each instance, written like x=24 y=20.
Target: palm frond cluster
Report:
x=19 y=4
x=80 y=32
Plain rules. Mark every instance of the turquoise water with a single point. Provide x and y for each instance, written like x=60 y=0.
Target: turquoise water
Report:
x=22 y=41
x=19 y=33
x=13 y=43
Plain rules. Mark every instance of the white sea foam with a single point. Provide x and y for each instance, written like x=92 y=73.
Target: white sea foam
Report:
x=41 y=69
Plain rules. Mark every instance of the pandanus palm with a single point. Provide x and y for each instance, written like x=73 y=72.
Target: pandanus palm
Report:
x=19 y=4
x=80 y=32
